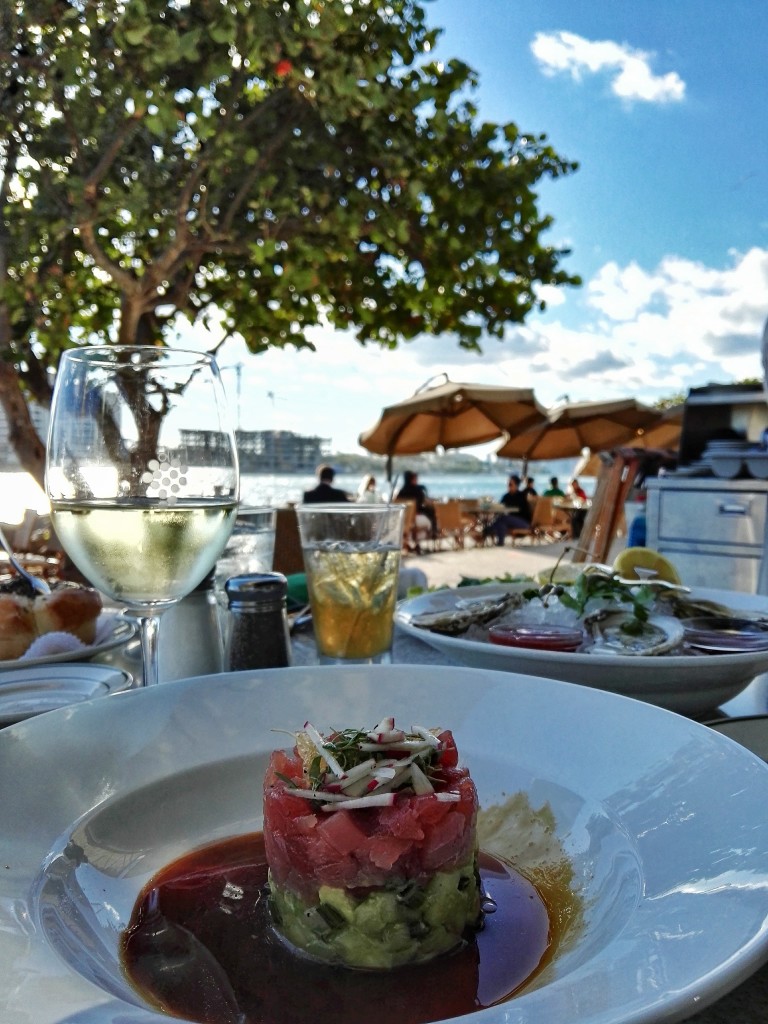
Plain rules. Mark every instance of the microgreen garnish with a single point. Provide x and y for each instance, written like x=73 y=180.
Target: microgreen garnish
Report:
x=286 y=780
x=588 y=586
x=315 y=771
x=365 y=768
x=345 y=746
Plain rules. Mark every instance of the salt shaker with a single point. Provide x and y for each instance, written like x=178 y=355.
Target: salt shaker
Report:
x=258 y=626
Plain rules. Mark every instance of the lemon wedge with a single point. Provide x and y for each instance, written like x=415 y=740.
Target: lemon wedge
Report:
x=565 y=573
x=645 y=564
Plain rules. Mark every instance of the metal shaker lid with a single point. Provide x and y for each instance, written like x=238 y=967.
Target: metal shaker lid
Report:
x=256 y=588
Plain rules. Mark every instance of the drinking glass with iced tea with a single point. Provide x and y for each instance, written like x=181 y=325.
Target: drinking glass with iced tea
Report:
x=352 y=559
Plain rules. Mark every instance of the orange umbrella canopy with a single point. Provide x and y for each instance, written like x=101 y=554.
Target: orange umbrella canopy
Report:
x=451 y=415
x=570 y=428
x=666 y=433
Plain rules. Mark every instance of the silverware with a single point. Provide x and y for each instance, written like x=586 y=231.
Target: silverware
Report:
x=34 y=581
x=302 y=620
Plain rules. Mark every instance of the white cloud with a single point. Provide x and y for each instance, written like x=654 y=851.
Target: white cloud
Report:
x=650 y=333
x=632 y=77
x=685 y=300
x=551 y=294
x=679 y=325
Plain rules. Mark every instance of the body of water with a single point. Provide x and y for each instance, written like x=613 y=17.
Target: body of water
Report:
x=18 y=491
x=263 y=489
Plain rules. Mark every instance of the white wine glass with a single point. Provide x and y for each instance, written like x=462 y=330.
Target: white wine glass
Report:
x=142 y=475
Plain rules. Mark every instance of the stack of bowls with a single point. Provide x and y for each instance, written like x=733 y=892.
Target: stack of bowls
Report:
x=726 y=458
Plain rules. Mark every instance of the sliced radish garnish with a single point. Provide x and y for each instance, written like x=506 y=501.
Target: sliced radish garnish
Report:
x=420 y=782
x=359 y=771
x=426 y=735
x=319 y=744
x=375 y=800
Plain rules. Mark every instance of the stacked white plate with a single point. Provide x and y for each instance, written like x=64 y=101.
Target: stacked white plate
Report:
x=726 y=458
x=27 y=692
x=757 y=463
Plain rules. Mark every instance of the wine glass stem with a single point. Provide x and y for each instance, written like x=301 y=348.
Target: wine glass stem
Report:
x=150 y=631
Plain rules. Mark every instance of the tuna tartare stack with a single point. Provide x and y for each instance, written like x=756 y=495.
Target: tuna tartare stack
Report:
x=371 y=843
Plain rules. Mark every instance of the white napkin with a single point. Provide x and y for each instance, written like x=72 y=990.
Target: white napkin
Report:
x=53 y=643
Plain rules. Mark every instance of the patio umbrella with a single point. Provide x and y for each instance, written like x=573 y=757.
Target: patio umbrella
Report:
x=577 y=425
x=665 y=435
x=451 y=415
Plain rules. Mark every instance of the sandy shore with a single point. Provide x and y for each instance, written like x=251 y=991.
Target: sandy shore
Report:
x=447 y=566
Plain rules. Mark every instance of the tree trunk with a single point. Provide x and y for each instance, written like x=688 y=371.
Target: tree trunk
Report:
x=22 y=435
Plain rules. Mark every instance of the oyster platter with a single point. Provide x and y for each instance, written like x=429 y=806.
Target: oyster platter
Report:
x=640 y=633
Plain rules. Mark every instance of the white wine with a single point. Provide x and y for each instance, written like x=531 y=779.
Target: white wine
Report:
x=150 y=553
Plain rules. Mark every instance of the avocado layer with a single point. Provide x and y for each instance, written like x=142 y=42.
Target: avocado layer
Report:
x=383 y=928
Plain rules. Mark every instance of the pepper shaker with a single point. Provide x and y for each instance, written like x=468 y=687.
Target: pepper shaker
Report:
x=258 y=634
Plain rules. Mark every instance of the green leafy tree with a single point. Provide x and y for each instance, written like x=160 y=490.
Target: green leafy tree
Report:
x=257 y=166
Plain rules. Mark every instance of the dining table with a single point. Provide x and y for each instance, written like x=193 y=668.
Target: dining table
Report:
x=576 y=512
x=747 y=1003
x=480 y=517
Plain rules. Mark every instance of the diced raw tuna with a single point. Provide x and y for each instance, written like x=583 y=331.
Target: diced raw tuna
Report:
x=373 y=886
x=357 y=846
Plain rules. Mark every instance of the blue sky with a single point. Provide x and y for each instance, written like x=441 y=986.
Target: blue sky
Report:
x=663 y=104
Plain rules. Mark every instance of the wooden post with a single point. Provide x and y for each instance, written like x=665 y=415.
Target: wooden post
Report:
x=601 y=525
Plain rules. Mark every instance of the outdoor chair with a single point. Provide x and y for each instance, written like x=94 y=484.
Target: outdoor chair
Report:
x=413 y=532
x=561 y=524
x=450 y=523
x=288 y=557
x=34 y=545
x=473 y=523
x=542 y=527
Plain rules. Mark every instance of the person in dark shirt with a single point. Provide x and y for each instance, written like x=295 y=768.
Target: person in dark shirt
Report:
x=412 y=490
x=518 y=514
x=325 y=492
x=530 y=488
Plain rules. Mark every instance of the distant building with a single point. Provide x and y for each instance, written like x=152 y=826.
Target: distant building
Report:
x=40 y=418
x=266 y=451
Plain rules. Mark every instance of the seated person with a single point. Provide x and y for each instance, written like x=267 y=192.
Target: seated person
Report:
x=518 y=516
x=530 y=488
x=412 y=490
x=324 y=491
x=554 y=490
x=576 y=491
x=367 y=492
x=578 y=496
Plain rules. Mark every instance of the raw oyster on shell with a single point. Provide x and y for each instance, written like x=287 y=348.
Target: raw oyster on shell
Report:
x=469 y=612
x=619 y=632
x=694 y=608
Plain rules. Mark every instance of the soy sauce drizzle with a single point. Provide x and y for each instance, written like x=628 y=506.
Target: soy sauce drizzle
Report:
x=200 y=945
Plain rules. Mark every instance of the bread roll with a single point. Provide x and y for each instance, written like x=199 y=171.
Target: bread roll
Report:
x=68 y=609
x=17 y=626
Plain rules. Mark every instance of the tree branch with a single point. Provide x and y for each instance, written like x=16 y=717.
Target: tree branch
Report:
x=93 y=180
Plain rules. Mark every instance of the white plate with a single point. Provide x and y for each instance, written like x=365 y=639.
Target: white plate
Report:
x=112 y=630
x=663 y=821
x=26 y=692
x=687 y=684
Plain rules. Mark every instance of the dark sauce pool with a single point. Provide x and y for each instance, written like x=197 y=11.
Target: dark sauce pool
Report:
x=200 y=945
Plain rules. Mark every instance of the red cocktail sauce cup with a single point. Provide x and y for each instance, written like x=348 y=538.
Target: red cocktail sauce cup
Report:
x=539 y=638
